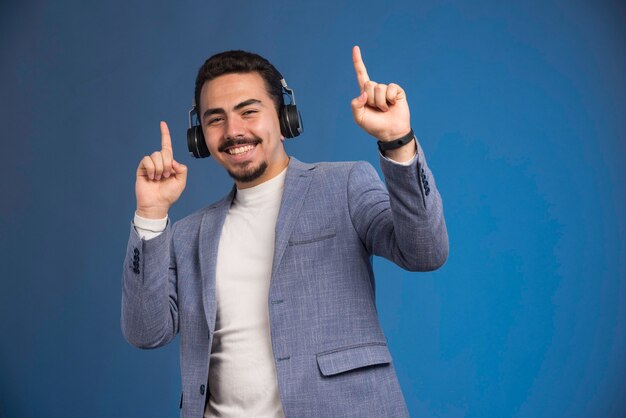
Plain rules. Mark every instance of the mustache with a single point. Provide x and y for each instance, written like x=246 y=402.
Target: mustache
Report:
x=231 y=142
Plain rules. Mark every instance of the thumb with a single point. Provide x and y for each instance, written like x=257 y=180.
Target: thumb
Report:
x=358 y=106
x=179 y=169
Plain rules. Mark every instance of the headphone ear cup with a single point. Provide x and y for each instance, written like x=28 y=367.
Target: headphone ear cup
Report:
x=290 y=121
x=196 y=143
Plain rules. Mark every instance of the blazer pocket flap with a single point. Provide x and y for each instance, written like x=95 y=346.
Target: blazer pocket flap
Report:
x=354 y=357
x=312 y=236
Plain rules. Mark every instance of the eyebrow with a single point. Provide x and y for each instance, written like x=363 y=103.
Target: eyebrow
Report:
x=213 y=111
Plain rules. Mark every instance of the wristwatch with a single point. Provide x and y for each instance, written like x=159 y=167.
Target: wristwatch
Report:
x=396 y=143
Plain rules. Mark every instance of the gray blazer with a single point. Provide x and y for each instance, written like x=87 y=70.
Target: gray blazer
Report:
x=330 y=353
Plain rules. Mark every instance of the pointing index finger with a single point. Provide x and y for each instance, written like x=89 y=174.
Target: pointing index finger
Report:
x=359 y=67
x=166 y=141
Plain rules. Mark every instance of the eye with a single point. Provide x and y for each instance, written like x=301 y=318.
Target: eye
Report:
x=249 y=112
x=214 y=121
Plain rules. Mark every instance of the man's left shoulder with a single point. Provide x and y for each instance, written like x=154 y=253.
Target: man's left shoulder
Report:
x=329 y=168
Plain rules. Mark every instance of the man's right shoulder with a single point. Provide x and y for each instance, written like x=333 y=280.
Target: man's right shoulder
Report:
x=193 y=221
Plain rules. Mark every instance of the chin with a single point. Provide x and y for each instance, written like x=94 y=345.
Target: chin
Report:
x=248 y=174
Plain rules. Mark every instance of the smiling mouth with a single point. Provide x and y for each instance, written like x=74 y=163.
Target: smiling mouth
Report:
x=240 y=146
x=240 y=149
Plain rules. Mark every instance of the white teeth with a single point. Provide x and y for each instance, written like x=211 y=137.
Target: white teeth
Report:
x=240 y=150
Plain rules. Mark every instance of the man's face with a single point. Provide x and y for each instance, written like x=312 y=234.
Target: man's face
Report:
x=241 y=128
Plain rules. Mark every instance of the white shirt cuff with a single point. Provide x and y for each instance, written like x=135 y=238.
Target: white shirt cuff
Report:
x=406 y=163
x=149 y=228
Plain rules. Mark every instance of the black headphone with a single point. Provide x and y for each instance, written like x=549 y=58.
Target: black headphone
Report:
x=289 y=118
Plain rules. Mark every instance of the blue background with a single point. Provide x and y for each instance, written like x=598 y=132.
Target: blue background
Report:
x=518 y=105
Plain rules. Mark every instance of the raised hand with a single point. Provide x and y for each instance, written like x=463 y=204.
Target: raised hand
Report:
x=381 y=110
x=160 y=180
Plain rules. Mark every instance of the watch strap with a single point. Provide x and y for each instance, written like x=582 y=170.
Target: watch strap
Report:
x=395 y=143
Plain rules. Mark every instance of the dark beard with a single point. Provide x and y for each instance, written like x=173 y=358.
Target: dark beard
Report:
x=249 y=174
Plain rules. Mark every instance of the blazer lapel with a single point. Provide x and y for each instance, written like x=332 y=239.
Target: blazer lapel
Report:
x=296 y=186
x=210 y=232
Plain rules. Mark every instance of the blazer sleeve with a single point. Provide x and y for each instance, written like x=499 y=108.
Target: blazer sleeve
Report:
x=149 y=316
x=405 y=223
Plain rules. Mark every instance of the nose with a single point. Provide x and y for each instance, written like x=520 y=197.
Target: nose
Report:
x=235 y=127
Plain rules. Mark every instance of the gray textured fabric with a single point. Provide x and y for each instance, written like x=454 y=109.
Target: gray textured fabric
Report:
x=331 y=355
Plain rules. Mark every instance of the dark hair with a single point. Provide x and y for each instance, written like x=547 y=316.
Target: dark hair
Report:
x=229 y=62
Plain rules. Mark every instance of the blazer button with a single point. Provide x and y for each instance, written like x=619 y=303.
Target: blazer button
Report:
x=201 y=389
x=136 y=251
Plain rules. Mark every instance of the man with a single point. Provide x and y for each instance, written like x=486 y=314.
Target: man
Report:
x=272 y=288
